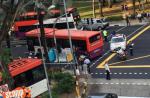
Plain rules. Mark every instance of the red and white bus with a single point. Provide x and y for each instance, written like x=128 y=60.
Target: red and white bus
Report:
x=89 y=43
x=24 y=22
x=29 y=20
x=29 y=72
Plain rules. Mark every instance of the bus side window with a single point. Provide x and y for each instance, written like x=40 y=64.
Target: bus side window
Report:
x=20 y=80
x=38 y=73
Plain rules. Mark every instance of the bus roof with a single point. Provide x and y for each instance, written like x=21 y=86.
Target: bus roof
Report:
x=31 y=13
x=63 y=33
x=59 y=20
x=19 y=66
x=57 y=11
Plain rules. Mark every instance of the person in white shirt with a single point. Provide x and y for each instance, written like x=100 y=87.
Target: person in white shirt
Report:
x=107 y=71
x=87 y=62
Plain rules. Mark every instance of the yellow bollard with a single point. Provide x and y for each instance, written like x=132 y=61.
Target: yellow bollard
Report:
x=77 y=90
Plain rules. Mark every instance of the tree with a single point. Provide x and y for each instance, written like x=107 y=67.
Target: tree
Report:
x=10 y=9
x=93 y=5
x=65 y=83
x=109 y=3
x=133 y=2
x=101 y=8
x=5 y=59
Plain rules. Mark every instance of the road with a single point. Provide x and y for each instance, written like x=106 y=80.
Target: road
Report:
x=133 y=67
x=130 y=77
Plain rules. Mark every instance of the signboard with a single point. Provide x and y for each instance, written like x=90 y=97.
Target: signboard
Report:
x=17 y=93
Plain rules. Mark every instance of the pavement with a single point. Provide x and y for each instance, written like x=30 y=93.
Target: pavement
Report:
x=132 y=22
x=133 y=88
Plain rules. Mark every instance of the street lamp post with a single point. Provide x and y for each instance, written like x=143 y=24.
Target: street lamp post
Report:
x=70 y=41
x=42 y=41
x=55 y=41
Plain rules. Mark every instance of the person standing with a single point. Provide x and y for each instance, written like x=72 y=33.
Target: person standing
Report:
x=127 y=20
x=107 y=71
x=131 y=48
x=105 y=33
x=51 y=55
x=139 y=16
x=39 y=53
x=87 y=62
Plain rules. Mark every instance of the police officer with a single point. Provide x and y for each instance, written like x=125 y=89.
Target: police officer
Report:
x=131 y=48
x=107 y=71
x=105 y=33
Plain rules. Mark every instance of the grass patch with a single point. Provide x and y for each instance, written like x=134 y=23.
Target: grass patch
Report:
x=80 y=4
x=115 y=18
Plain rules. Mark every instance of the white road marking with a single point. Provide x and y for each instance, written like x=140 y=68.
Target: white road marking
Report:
x=122 y=83
x=121 y=29
x=130 y=73
x=136 y=30
x=138 y=83
x=146 y=73
x=128 y=83
x=133 y=83
x=120 y=73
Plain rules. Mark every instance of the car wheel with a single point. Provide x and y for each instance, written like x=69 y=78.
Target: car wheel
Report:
x=99 y=28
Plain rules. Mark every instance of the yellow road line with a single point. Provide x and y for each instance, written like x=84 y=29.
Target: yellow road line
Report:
x=129 y=66
x=138 y=34
x=112 y=55
x=130 y=59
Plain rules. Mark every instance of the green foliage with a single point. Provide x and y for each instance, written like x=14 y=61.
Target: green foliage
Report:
x=115 y=18
x=46 y=95
x=5 y=56
x=65 y=84
x=5 y=59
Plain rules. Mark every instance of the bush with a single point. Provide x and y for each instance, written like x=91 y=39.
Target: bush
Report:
x=46 y=95
x=114 y=18
x=65 y=83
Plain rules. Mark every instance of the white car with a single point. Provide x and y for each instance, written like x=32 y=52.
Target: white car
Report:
x=119 y=40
